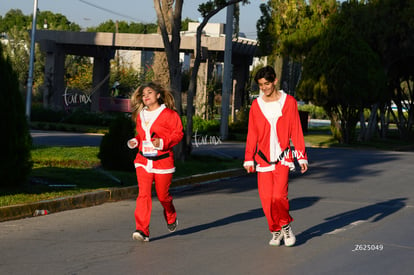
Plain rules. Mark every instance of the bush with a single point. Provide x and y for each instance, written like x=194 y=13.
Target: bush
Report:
x=114 y=152
x=315 y=112
x=85 y=117
x=79 y=116
x=15 y=161
x=203 y=126
x=242 y=121
x=39 y=113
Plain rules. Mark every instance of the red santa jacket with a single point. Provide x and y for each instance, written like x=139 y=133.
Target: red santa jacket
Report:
x=168 y=127
x=288 y=128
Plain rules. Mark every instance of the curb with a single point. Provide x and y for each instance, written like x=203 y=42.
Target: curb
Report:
x=20 y=211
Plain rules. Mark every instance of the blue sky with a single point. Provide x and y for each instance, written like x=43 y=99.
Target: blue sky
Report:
x=85 y=14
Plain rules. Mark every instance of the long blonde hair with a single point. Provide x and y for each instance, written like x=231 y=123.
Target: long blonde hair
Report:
x=137 y=105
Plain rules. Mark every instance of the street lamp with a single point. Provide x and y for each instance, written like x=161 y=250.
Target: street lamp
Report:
x=30 y=78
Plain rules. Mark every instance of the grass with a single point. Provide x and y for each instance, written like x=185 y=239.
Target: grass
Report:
x=65 y=171
x=321 y=137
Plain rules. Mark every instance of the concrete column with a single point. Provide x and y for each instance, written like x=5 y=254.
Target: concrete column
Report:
x=241 y=76
x=54 y=86
x=100 y=79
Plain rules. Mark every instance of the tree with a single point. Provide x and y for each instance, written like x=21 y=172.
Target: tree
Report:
x=171 y=42
x=15 y=161
x=14 y=18
x=391 y=34
x=55 y=21
x=17 y=50
x=264 y=28
x=344 y=75
x=160 y=65
x=15 y=24
x=124 y=27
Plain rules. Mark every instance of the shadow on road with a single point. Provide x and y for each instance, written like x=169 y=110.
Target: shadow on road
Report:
x=341 y=165
x=375 y=212
x=296 y=204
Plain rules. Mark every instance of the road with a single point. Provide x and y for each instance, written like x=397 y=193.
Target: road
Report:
x=56 y=138
x=353 y=214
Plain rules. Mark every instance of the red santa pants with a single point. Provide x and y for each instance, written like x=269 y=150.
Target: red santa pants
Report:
x=273 y=192
x=144 y=201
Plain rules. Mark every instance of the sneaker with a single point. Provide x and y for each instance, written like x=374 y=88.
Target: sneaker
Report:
x=277 y=237
x=138 y=235
x=172 y=226
x=289 y=237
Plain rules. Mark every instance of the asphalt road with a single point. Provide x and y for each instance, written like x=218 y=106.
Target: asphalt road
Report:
x=353 y=211
x=56 y=138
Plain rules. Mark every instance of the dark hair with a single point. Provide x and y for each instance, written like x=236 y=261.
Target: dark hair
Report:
x=267 y=73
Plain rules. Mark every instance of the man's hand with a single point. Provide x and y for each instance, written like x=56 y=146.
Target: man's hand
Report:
x=303 y=168
x=249 y=168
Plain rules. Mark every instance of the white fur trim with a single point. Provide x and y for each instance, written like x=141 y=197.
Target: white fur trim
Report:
x=150 y=169
x=248 y=163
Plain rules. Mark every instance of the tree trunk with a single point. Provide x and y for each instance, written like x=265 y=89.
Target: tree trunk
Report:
x=167 y=16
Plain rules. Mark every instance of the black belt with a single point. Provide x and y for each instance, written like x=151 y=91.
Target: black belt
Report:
x=163 y=156
x=260 y=153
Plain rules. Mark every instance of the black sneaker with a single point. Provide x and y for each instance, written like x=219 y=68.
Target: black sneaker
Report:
x=172 y=226
x=138 y=235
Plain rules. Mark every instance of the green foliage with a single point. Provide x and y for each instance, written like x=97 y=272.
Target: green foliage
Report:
x=343 y=74
x=203 y=126
x=184 y=24
x=124 y=27
x=55 y=21
x=292 y=27
x=39 y=113
x=211 y=6
x=14 y=18
x=128 y=79
x=78 y=73
x=355 y=54
x=316 y=112
x=114 y=152
x=265 y=29
x=241 y=122
x=78 y=116
x=15 y=24
x=17 y=49
x=85 y=117
x=15 y=161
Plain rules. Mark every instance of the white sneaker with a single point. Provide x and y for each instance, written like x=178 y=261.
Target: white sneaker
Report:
x=277 y=237
x=138 y=235
x=289 y=237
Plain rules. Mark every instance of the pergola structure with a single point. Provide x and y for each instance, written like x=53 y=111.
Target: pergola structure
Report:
x=102 y=46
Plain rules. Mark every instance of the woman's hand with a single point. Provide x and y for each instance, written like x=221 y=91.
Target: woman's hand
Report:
x=155 y=142
x=132 y=143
